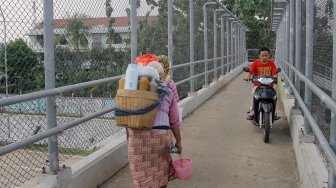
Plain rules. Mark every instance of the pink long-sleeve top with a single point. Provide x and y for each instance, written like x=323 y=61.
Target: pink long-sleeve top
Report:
x=172 y=86
x=167 y=116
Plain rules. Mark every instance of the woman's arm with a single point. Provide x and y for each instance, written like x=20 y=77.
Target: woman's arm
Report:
x=174 y=122
x=177 y=135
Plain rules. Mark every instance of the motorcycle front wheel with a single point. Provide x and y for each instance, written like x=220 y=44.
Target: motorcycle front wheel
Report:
x=267 y=123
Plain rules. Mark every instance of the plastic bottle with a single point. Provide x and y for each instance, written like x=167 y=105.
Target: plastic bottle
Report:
x=141 y=69
x=153 y=85
x=144 y=83
x=131 y=78
x=122 y=82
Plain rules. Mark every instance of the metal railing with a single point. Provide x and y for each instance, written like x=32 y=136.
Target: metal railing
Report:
x=305 y=32
x=48 y=128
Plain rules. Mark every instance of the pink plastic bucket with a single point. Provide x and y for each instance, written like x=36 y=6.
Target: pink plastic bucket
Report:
x=182 y=168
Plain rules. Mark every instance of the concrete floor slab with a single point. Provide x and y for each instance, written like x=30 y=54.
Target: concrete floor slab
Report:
x=227 y=150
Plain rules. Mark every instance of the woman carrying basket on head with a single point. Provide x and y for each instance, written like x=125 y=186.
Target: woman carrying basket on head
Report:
x=149 y=150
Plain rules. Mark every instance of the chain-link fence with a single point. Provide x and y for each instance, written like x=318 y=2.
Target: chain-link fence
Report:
x=323 y=47
x=316 y=57
x=23 y=120
x=92 y=41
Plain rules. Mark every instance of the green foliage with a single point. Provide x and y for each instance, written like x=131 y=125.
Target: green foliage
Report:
x=25 y=70
x=77 y=31
x=256 y=14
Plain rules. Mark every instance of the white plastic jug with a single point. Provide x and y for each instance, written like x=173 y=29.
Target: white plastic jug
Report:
x=131 y=79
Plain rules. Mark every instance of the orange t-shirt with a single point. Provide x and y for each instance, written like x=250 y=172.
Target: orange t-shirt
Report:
x=258 y=68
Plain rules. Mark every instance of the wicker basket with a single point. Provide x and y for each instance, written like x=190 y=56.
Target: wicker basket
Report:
x=135 y=100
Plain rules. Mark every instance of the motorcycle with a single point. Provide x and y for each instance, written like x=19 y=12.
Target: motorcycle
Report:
x=264 y=103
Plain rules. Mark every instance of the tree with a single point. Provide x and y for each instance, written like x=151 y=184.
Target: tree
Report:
x=25 y=69
x=111 y=31
x=257 y=16
x=76 y=30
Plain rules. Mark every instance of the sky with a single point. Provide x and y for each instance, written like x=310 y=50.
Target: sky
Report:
x=20 y=15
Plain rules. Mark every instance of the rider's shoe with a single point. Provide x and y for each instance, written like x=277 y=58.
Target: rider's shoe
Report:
x=276 y=117
x=250 y=117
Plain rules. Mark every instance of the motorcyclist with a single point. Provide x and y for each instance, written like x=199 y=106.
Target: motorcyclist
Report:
x=261 y=67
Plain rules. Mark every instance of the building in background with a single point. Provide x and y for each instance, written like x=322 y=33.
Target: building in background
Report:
x=96 y=35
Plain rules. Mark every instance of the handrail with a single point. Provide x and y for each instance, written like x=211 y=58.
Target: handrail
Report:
x=56 y=91
x=40 y=136
x=325 y=146
x=53 y=92
x=325 y=98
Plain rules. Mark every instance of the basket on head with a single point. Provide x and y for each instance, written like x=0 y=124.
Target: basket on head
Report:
x=136 y=100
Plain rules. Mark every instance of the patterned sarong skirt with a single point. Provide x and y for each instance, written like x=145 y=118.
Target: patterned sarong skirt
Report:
x=149 y=157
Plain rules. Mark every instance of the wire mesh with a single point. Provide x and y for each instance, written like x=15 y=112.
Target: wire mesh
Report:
x=92 y=41
x=323 y=45
x=25 y=119
x=18 y=53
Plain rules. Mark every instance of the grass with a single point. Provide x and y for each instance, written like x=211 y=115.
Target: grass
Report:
x=44 y=148
x=72 y=151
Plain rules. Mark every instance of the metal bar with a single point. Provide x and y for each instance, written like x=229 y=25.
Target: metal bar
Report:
x=292 y=37
x=309 y=58
x=55 y=91
x=196 y=76
x=222 y=43
x=237 y=45
x=205 y=30
x=5 y=40
x=170 y=29
x=134 y=36
x=328 y=101
x=192 y=44
x=333 y=95
x=193 y=63
x=297 y=44
x=231 y=14
x=332 y=173
x=50 y=132
x=215 y=42
x=228 y=38
x=287 y=34
x=50 y=79
x=232 y=45
x=329 y=153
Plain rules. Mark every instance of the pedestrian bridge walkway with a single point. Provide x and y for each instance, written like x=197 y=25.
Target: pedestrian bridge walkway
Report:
x=227 y=150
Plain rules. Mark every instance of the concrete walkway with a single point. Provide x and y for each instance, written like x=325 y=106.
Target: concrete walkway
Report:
x=227 y=150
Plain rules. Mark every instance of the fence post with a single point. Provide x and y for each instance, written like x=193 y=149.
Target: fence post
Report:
x=232 y=46
x=215 y=43
x=205 y=21
x=287 y=36
x=170 y=32
x=133 y=30
x=222 y=44
x=333 y=116
x=297 y=45
x=332 y=179
x=292 y=38
x=228 y=42
x=236 y=45
x=192 y=44
x=49 y=61
x=309 y=58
